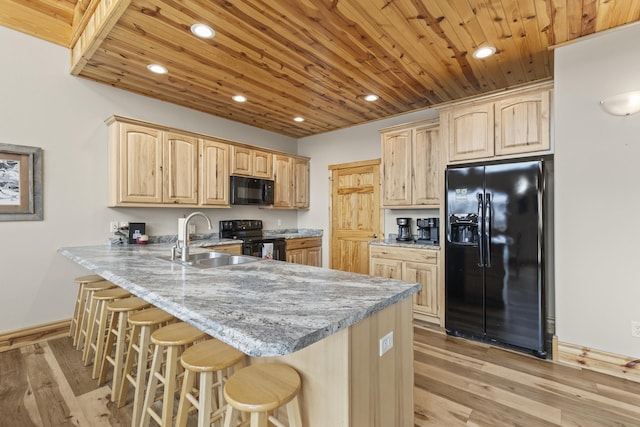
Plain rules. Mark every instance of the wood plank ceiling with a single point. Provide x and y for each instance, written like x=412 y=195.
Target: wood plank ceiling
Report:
x=312 y=58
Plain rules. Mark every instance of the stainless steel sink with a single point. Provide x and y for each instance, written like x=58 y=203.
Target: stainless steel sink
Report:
x=212 y=259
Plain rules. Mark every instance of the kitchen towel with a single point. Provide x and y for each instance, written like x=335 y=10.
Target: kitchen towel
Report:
x=267 y=250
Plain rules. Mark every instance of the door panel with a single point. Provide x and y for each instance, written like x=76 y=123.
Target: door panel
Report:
x=513 y=281
x=355 y=214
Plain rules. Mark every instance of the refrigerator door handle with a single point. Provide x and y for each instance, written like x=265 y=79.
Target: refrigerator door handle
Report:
x=487 y=229
x=480 y=239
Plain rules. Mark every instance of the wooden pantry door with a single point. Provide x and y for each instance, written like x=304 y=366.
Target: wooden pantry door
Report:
x=356 y=217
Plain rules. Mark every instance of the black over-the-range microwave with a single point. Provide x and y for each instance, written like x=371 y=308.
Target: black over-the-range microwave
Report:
x=251 y=191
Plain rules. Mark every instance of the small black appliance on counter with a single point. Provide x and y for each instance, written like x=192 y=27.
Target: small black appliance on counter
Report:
x=428 y=230
x=404 y=229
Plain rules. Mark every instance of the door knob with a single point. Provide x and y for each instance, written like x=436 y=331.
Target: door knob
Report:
x=375 y=236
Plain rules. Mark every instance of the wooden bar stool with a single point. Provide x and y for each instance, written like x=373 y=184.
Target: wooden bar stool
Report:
x=90 y=289
x=174 y=339
x=259 y=389
x=119 y=311
x=74 y=327
x=143 y=323
x=98 y=326
x=206 y=358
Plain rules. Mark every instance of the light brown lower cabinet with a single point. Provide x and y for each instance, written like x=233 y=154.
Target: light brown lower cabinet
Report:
x=411 y=265
x=233 y=249
x=307 y=251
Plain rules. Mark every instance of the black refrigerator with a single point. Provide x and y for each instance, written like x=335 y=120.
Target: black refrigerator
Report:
x=494 y=254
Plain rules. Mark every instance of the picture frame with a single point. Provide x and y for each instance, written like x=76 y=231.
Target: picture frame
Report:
x=20 y=183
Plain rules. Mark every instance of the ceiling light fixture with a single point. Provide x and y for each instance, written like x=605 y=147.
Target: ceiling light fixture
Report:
x=203 y=31
x=484 y=52
x=623 y=104
x=298 y=119
x=239 y=98
x=157 y=68
x=371 y=98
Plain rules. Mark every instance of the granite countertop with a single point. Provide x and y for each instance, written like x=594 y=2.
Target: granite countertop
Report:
x=297 y=233
x=263 y=308
x=412 y=244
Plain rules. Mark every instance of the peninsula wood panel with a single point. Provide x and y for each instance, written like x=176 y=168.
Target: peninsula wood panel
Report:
x=315 y=59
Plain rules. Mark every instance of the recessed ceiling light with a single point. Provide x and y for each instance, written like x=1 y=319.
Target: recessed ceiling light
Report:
x=371 y=98
x=203 y=31
x=239 y=98
x=298 y=119
x=157 y=68
x=484 y=52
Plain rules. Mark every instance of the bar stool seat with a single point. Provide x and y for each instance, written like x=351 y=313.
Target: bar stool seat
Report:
x=117 y=337
x=98 y=326
x=206 y=359
x=174 y=339
x=261 y=388
x=143 y=323
x=74 y=327
x=89 y=289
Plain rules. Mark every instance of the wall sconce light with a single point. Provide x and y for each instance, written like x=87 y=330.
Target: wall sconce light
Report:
x=623 y=104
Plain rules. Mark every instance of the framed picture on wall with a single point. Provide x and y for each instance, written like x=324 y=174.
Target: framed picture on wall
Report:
x=20 y=183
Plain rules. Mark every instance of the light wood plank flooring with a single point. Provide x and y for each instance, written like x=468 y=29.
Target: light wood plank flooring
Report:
x=457 y=383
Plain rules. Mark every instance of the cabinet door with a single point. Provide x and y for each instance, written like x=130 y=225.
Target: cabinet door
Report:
x=297 y=256
x=262 y=164
x=241 y=161
x=314 y=256
x=140 y=164
x=522 y=124
x=396 y=168
x=300 y=183
x=283 y=189
x=426 y=300
x=387 y=268
x=214 y=173
x=471 y=133
x=180 y=168
x=426 y=167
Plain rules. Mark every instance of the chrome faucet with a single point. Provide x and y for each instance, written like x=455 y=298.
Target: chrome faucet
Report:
x=184 y=255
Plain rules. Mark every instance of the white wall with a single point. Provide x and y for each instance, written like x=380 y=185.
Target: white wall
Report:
x=42 y=105
x=597 y=194
x=345 y=146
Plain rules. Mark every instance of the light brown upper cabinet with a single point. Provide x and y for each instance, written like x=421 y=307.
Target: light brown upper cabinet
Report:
x=411 y=165
x=151 y=166
x=291 y=176
x=249 y=162
x=300 y=183
x=154 y=165
x=509 y=125
x=214 y=173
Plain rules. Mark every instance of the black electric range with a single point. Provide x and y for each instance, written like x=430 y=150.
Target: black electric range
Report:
x=254 y=243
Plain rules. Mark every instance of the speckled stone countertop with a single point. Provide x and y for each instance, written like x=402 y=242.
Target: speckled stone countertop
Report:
x=263 y=308
x=412 y=244
x=296 y=233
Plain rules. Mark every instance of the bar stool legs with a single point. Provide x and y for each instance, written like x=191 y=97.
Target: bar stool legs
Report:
x=74 y=327
x=117 y=337
x=172 y=339
x=260 y=389
x=206 y=359
x=89 y=307
x=142 y=323
x=98 y=326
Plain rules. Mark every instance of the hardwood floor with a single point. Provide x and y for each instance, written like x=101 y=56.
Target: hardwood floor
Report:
x=457 y=383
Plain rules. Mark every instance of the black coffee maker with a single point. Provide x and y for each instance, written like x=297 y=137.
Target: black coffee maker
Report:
x=404 y=229
x=428 y=230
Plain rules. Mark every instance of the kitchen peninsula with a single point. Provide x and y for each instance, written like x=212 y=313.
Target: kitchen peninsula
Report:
x=326 y=323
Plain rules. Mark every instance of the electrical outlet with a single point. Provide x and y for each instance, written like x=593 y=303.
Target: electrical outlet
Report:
x=192 y=229
x=635 y=329
x=279 y=221
x=386 y=343
x=113 y=226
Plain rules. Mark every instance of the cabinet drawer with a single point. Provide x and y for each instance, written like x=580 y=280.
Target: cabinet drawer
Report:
x=310 y=242
x=428 y=256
